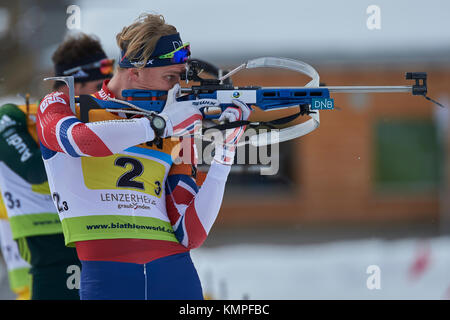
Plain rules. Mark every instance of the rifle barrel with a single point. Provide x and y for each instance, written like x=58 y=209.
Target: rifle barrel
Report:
x=368 y=89
x=342 y=89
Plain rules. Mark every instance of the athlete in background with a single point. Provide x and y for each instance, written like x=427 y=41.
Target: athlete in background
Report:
x=17 y=268
x=131 y=213
x=34 y=222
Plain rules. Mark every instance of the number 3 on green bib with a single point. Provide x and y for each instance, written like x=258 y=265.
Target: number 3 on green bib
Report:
x=124 y=172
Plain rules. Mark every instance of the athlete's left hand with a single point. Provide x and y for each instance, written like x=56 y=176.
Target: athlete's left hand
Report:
x=238 y=113
x=226 y=149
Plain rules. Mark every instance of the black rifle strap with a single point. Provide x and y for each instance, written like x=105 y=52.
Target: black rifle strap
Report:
x=434 y=101
x=231 y=125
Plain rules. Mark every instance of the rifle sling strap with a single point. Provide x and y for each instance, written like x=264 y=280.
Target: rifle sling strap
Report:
x=271 y=124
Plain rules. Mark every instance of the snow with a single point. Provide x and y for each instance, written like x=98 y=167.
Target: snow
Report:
x=409 y=269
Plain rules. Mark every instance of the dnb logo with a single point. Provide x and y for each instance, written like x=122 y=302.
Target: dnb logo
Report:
x=322 y=104
x=236 y=94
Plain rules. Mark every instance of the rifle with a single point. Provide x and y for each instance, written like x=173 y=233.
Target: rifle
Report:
x=308 y=99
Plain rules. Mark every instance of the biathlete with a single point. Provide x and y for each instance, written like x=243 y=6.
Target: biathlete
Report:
x=132 y=214
x=33 y=218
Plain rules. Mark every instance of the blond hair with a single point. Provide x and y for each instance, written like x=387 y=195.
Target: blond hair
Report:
x=139 y=39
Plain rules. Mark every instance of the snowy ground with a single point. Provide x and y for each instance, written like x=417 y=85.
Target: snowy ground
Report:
x=408 y=268
x=5 y=292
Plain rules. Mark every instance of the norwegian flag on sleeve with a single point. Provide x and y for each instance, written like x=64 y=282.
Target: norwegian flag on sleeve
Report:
x=60 y=131
x=192 y=210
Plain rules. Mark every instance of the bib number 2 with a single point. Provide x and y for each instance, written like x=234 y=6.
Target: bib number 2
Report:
x=61 y=206
x=124 y=172
x=127 y=179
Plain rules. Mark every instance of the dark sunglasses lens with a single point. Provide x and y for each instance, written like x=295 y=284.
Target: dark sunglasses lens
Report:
x=107 y=66
x=107 y=62
x=106 y=69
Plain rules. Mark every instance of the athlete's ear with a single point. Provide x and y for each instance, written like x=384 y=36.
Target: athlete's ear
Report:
x=133 y=74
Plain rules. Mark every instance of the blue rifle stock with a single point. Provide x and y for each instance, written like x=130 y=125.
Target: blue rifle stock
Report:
x=264 y=98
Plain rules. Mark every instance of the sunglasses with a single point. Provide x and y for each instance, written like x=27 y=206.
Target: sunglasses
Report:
x=106 y=66
x=180 y=55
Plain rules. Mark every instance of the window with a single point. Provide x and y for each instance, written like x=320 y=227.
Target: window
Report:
x=407 y=156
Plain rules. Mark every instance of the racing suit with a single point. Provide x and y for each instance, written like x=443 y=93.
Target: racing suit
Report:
x=32 y=215
x=132 y=214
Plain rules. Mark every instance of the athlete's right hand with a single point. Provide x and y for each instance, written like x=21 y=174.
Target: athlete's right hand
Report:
x=182 y=117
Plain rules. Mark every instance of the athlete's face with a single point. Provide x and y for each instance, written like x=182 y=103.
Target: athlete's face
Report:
x=159 y=78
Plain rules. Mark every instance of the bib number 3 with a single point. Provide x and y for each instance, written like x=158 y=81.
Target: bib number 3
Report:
x=11 y=203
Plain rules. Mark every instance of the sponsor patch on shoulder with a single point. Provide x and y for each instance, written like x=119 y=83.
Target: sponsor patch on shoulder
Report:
x=50 y=99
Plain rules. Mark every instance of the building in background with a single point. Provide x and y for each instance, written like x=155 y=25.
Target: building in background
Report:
x=378 y=165
x=380 y=158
